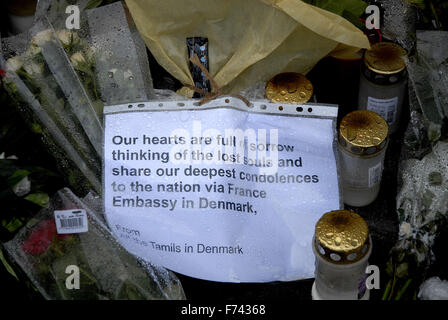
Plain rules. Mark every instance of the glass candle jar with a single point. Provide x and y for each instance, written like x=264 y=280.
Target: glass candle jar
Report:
x=342 y=246
x=363 y=137
x=382 y=86
x=290 y=88
x=21 y=15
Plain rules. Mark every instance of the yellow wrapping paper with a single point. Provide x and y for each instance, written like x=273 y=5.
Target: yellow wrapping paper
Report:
x=249 y=40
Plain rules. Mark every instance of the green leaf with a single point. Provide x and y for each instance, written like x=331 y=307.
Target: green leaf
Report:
x=435 y=178
x=389 y=268
x=354 y=19
x=401 y=255
x=402 y=270
x=7 y=168
x=419 y=3
x=355 y=7
x=427 y=198
x=40 y=170
x=7 y=266
x=41 y=199
x=17 y=176
x=330 y=5
x=93 y=4
x=36 y=128
x=349 y=9
x=12 y=225
x=401 y=215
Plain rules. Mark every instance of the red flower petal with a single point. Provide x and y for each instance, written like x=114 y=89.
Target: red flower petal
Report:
x=40 y=238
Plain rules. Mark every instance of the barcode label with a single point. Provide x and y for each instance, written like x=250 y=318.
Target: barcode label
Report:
x=375 y=174
x=387 y=108
x=71 y=221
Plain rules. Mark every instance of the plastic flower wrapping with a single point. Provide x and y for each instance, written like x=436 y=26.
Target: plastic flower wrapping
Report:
x=422 y=200
x=106 y=269
x=61 y=79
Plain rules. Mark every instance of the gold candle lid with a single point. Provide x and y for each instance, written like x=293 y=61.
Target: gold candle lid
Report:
x=289 y=87
x=385 y=58
x=342 y=237
x=363 y=132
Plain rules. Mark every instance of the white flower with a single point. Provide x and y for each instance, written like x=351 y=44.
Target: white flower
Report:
x=41 y=38
x=405 y=229
x=33 y=50
x=77 y=59
x=13 y=64
x=33 y=68
x=67 y=37
x=13 y=157
x=90 y=54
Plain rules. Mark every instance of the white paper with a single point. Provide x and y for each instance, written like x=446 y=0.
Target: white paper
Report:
x=265 y=233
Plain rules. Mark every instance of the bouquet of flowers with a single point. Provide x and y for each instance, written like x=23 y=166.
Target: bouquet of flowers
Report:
x=434 y=12
x=106 y=270
x=63 y=78
x=422 y=202
x=52 y=97
x=422 y=212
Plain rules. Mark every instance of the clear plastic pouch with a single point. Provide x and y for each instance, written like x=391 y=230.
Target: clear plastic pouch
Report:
x=104 y=269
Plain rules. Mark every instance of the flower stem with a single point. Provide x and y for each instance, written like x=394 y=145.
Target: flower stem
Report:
x=87 y=275
x=387 y=290
x=401 y=292
x=393 y=286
